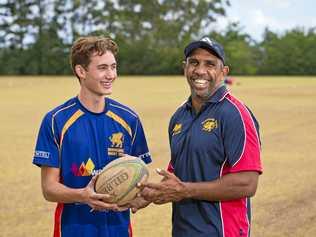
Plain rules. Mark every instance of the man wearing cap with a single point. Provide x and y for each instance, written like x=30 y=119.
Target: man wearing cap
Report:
x=215 y=153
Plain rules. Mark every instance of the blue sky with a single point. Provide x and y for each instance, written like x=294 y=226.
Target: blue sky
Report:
x=278 y=15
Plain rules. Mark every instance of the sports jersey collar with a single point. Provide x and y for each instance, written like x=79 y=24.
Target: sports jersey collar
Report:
x=218 y=96
x=88 y=111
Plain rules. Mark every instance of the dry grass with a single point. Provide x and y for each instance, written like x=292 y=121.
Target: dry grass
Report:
x=285 y=202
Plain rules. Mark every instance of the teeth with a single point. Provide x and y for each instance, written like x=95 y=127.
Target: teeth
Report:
x=200 y=81
x=106 y=83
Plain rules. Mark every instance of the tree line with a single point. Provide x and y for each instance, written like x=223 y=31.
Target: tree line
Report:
x=36 y=35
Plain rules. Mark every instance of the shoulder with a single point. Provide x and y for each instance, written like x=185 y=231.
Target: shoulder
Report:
x=178 y=115
x=234 y=108
x=64 y=110
x=121 y=110
x=182 y=108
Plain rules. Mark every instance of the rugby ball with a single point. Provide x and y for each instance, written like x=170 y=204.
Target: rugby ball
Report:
x=120 y=177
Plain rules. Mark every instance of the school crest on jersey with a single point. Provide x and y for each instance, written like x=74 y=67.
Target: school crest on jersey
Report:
x=209 y=124
x=116 y=146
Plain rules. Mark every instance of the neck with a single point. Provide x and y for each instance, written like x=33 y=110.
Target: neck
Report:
x=91 y=102
x=197 y=103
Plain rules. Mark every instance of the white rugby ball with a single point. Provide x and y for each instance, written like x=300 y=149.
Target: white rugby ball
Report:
x=120 y=177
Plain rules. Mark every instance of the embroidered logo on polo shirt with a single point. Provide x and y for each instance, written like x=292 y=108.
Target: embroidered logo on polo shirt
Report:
x=116 y=148
x=177 y=129
x=209 y=124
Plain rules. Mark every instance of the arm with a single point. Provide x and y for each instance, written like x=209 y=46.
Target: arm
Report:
x=54 y=191
x=229 y=187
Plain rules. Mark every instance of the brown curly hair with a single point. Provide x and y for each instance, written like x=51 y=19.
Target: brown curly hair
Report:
x=84 y=47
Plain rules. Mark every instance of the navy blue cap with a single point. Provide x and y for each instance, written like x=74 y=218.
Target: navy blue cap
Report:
x=208 y=44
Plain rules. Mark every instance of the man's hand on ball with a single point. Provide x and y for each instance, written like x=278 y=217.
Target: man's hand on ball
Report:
x=170 y=189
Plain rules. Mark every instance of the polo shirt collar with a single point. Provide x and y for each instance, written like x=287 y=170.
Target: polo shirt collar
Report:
x=218 y=96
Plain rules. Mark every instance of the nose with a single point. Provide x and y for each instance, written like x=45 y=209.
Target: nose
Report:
x=110 y=73
x=200 y=69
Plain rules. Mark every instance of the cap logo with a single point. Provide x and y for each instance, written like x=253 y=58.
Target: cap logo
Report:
x=207 y=40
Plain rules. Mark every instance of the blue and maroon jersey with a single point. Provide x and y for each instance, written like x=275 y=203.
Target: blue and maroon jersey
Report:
x=81 y=143
x=222 y=138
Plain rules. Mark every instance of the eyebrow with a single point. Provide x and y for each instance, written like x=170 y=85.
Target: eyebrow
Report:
x=106 y=65
x=207 y=60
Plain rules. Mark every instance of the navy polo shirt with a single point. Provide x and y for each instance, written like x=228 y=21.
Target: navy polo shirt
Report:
x=222 y=138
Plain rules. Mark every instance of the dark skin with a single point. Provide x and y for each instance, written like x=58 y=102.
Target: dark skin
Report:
x=172 y=189
x=205 y=73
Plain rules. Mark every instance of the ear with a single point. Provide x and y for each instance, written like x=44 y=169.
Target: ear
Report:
x=184 y=66
x=80 y=71
x=184 y=63
x=225 y=70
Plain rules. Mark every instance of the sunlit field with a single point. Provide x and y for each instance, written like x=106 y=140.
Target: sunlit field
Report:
x=284 y=205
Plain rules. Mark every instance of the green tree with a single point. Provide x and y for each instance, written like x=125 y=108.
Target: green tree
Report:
x=241 y=51
x=292 y=53
x=31 y=41
x=151 y=34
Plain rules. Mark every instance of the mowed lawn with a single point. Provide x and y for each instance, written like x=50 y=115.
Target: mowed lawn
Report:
x=284 y=205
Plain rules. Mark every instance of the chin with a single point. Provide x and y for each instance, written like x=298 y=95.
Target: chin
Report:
x=107 y=92
x=203 y=96
x=201 y=93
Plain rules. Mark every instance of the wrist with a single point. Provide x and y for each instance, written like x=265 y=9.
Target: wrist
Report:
x=81 y=195
x=188 y=191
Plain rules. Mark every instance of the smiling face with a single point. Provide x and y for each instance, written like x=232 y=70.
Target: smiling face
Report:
x=205 y=73
x=98 y=77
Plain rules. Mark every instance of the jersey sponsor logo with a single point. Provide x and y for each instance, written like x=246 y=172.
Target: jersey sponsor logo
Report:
x=116 y=147
x=209 y=124
x=145 y=155
x=85 y=169
x=41 y=154
x=176 y=129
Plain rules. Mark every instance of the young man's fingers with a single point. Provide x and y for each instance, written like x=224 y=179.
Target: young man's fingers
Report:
x=103 y=197
x=100 y=205
x=120 y=208
x=92 y=181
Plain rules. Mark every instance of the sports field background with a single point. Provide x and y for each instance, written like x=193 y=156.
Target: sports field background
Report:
x=284 y=205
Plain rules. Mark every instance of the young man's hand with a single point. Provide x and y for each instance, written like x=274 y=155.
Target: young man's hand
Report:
x=97 y=201
x=135 y=204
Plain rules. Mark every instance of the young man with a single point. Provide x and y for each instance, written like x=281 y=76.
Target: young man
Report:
x=78 y=138
x=215 y=153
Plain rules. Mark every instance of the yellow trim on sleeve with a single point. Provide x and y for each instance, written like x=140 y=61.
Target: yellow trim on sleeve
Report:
x=53 y=118
x=121 y=121
x=69 y=122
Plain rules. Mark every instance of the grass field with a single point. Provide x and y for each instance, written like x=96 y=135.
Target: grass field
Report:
x=284 y=205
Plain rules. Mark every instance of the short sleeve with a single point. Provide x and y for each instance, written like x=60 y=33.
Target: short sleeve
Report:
x=170 y=167
x=46 y=150
x=139 y=143
x=241 y=141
